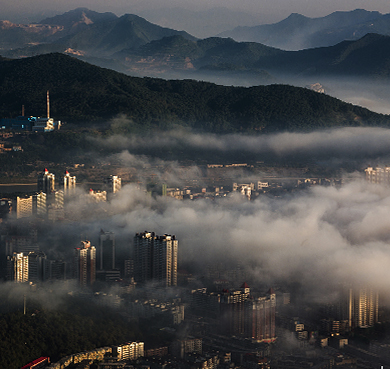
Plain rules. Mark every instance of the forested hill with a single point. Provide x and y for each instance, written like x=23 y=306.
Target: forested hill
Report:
x=83 y=93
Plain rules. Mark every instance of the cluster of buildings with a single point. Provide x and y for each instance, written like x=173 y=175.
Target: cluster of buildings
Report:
x=22 y=260
x=35 y=124
x=248 y=190
x=48 y=202
x=172 y=312
x=238 y=312
x=228 y=325
x=154 y=260
x=378 y=175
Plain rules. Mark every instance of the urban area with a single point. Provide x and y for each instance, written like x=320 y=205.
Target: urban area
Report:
x=228 y=323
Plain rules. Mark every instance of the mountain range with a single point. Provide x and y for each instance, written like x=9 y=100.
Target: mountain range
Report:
x=133 y=45
x=298 y=32
x=85 y=31
x=367 y=57
x=81 y=92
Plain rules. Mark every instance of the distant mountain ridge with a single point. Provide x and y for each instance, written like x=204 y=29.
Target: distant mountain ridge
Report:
x=127 y=31
x=132 y=44
x=367 y=57
x=203 y=23
x=73 y=18
x=85 y=31
x=298 y=32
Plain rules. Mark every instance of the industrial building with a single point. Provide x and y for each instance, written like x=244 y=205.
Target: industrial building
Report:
x=31 y=123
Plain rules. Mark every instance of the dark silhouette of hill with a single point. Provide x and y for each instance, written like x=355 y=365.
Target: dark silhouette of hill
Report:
x=81 y=92
x=367 y=57
x=298 y=32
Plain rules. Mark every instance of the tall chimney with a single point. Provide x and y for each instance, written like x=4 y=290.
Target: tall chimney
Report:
x=22 y=110
x=48 y=104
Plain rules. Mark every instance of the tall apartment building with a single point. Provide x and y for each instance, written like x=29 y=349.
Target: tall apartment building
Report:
x=113 y=184
x=130 y=351
x=238 y=313
x=233 y=311
x=378 y=175
x=36 y=267
x=106 y=250
x=55 y=205
x=364 y=307
x=27 y=206
x=22 y=207
x=155 y=258
x=20 y=267
x=39 y=204
x=85 y=264
x=29 y=267
x=261 y=319
x=358 y=306
x=46 y=182
x=68 y=184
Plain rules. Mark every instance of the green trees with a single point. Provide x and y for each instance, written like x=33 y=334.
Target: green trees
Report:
x=71 y=329
x=88 y=94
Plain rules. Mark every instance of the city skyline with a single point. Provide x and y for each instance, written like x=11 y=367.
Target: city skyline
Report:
x=302 y=215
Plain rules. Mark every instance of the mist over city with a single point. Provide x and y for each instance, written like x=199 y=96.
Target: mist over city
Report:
x=197 y=185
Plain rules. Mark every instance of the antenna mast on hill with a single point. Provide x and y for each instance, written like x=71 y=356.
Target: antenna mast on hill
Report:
x=48 y=104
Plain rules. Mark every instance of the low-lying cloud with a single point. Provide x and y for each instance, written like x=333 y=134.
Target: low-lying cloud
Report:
x=351 y=141
x=318 y=237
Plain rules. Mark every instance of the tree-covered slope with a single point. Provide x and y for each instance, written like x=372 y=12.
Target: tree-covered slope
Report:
x=83 y=92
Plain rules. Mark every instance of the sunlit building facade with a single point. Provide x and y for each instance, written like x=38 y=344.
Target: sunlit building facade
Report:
x=113 y=184
x=85 y=264
x=46 y=182
x=68 y=184
x=378 y=175
x=130 y=351
x=20 y=267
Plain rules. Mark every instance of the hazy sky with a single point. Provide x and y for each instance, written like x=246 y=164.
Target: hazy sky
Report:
x=268 y=11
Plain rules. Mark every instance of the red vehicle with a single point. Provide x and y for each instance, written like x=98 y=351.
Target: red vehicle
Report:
x=38 y=363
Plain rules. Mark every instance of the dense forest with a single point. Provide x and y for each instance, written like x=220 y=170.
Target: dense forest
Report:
x=88 y=94
x=78 y=325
